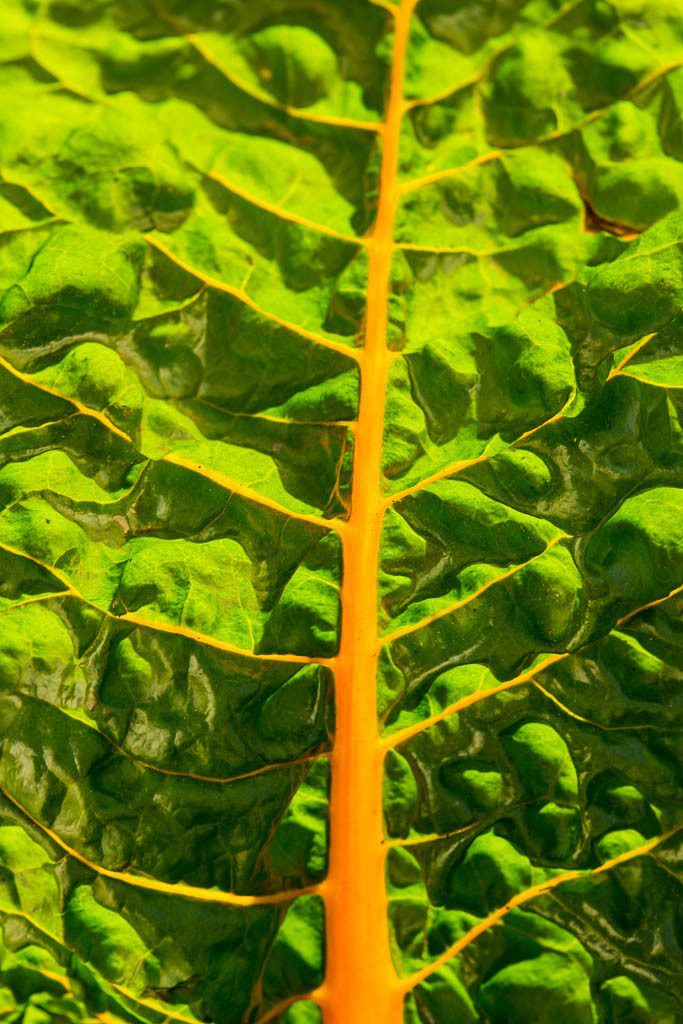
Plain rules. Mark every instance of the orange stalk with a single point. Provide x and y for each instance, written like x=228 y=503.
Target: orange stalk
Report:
x=361 y=986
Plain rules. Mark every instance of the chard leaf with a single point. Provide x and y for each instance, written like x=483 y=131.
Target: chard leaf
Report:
x=341 y=475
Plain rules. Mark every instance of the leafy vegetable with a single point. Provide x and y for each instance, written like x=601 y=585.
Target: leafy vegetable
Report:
x=340 y=511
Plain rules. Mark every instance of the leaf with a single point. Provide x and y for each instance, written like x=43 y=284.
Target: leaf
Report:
x=340 y=543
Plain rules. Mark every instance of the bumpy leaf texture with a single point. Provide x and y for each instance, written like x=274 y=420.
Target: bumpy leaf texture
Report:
x=240 y=241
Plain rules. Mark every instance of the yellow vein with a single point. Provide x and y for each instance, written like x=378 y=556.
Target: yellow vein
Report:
x=401 y=736
x=173 y=773
x=228 y=483
x=160 y=1008
x=289 y=215
x=650 y=604
x=449 y=172
x=242 y=296
x=333 y=120
x=651 y=383
x=269 y=418
x=36 y=599
x=450 y=470
x=448 y=93
x=27 y=228
x=255 y=773
x=457 y=467
x=429 y=179
x=524 y=897
x=195 y=40
x=139 y=881
x=435 y=837
x=284 y=1004
x=475 y=79
x=451 y=250
x=31 y=192
x=162 y=627
x=86 y=410
x=176 y=307
x=252 y=495
x=664 y=385
x=629 y=355
x=210 y=641
x=597 y=725
x=69 y=589
x=456 y=605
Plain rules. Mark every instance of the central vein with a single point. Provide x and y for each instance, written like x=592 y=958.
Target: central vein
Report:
x=361 y=986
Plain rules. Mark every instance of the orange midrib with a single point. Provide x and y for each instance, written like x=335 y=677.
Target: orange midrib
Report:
x=361 y=986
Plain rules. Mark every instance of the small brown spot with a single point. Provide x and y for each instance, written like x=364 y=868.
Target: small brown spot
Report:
x=595 y=223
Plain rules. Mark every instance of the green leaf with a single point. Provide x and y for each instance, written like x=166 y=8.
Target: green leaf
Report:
x=341 y=553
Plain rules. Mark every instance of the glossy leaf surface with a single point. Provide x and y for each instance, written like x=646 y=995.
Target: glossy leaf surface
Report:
x=341 y=528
